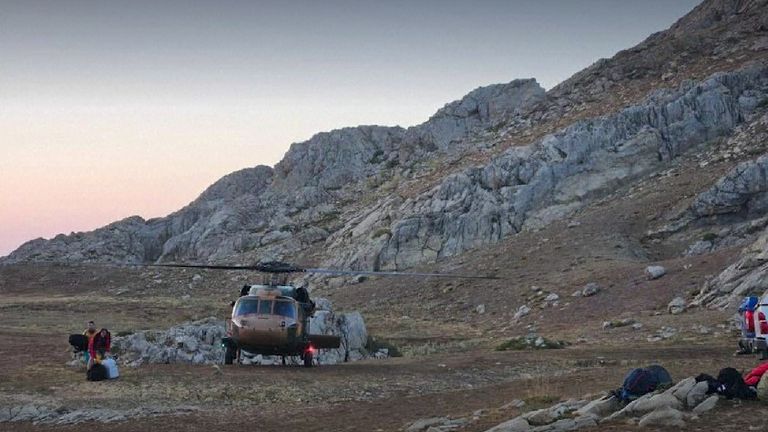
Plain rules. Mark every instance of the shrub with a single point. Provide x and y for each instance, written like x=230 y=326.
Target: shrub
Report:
x=372 y=345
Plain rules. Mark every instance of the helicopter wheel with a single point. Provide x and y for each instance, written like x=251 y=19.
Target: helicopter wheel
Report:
x=308 y=359
x=229 y=355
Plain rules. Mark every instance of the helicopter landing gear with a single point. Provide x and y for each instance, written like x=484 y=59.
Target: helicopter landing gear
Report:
x=230 y=354
x=307 y=356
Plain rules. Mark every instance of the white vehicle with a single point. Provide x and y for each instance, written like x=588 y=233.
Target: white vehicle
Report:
x=761 y=327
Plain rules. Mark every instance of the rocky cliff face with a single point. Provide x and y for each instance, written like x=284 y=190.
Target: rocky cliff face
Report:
x=504 y=158
x=530 y=186
x=274 y=212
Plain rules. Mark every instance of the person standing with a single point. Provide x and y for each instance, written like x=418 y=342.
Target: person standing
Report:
x=90 y=332
x=99 y=346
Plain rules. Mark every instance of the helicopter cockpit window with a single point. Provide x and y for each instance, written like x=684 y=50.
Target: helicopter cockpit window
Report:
x=265 y=307
x=285 y=308
x=246 y=306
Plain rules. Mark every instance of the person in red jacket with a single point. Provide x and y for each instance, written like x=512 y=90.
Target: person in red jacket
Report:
x=99 y=346
x=754 y=376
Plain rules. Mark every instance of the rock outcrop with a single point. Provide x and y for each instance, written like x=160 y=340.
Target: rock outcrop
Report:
x=531 y=186
x=41 y=414
x=672 y=407
x=269 y=213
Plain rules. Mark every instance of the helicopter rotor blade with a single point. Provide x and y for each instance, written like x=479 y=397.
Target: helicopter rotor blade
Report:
x=200 y=266
x=268 y=267
x=279 y=267
x=396 y=273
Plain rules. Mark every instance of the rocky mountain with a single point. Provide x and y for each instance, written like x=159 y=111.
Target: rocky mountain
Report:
x=505 y=158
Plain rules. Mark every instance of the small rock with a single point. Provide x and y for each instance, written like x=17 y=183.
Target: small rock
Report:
x=677 y=306
x=522 y=311
x=590 y=289
x=655 y=272
x=480 y=309
x=551 y=297
x=517 y=403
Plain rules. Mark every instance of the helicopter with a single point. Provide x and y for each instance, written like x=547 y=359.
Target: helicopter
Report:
x=272 y=318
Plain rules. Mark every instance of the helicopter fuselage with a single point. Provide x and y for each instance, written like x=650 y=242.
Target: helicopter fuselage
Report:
x=268 y=322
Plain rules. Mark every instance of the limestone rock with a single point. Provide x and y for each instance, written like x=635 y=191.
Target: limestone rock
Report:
x=600 y=407
x=709 y=404
x=517 y=424
x=697 y=394
x=663 y=417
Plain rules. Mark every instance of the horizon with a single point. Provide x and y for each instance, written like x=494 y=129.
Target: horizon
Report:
x=111 y=111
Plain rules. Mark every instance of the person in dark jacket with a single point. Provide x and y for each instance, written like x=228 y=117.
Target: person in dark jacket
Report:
x=99 y=346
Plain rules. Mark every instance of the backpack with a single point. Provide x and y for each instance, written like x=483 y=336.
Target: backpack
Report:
x=97 y=372
x=79 y=342
x=732 y=385
x=712 y=382
x=637 y=383
x=662 y=376
x=755 y=375
x=111 y=365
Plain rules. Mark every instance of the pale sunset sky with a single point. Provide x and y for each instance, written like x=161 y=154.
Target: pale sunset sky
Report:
x=116 y=108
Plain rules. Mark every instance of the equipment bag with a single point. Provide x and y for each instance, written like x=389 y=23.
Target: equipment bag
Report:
x=711 y=381
x=732 y=385
x=637 y=383
x=97 y=372
x=111 y=365
x=661 y=375
x=755 y=375
x=79 y=342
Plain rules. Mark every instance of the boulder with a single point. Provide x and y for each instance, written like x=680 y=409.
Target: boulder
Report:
x=709 y=404
x=600 y=407
x=517 y=424
x=424 y=424
x=682 y=388
x=663 y=417
x=697 y=394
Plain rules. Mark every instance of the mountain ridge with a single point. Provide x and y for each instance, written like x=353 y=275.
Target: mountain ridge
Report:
x=315 y=196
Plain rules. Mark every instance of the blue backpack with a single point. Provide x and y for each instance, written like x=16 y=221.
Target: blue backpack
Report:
x=637 y=383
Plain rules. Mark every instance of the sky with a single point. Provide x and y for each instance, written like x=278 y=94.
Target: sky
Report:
x=113 y=108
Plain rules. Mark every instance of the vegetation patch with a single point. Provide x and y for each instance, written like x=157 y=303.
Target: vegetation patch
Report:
x=380 y=232
x=710 y=237
x=374 y=345
x=531 y=342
